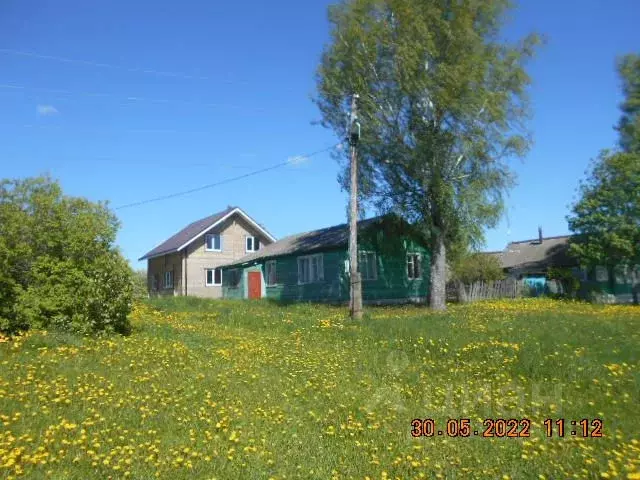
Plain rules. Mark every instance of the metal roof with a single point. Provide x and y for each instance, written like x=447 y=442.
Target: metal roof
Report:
x=552 y=251
x=192 y=231
x=307 y=242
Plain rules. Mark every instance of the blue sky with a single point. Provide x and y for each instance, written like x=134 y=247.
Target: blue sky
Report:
x=124 y=101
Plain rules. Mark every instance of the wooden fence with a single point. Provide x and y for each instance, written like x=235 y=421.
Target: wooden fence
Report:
x=507 y=288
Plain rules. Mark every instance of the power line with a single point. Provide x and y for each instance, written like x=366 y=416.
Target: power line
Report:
x=126 y=99
x=89 y=63
x=292 y=161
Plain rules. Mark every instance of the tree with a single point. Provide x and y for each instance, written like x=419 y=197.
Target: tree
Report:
x=442 y=106
x=474 y=267
x=58 y=264
x=606 y=218
x=629 y=125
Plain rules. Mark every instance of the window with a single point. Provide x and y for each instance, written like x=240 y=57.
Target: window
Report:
x=214 y=277
x=583 y=274
x=168 y=279
x=233 y=277
x=368 y=266
x=271 y=273
x=213 y=242
x=310 y=269
x=414 y=266
x=601 y=274
x=253 y=244
x=155 y=282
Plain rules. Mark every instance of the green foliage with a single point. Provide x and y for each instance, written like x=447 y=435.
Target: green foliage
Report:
x=140 y=290
x=606 y=218
x=567 y=278
x=473 y=267
x=442 y=104
x=629 y=125
x=58 y=265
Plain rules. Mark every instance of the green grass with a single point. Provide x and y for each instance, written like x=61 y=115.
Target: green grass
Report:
x=234 y=389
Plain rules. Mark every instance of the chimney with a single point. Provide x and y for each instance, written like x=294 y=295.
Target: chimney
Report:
x=540 y=234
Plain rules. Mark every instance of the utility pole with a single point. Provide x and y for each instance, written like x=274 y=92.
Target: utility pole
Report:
x=355 y=297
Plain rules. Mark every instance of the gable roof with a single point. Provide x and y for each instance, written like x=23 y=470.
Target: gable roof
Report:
x=551 y=252
x=191 y=232
x=307 y=242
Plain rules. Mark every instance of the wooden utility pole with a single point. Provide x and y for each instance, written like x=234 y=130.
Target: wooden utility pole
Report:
x=355 y=298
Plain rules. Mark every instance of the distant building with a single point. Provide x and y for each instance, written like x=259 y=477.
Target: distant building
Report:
x=530 y=261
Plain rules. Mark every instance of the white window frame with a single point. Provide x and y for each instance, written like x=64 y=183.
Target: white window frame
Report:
x=206 y=277
x=318 y=273
x=410 y=260
x=254 y=240
x=270 y=270
x=206 y=242
x=168 y=275
x=364 y=276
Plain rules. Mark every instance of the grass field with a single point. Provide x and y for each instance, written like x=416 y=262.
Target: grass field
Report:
x=235 y=390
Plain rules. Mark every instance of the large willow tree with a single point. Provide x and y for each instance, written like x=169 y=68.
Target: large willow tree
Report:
x=442 y=107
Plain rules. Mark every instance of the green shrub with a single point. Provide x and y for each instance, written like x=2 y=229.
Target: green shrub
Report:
x=140 y=291
x=474 y=267
x=59 y=267
x=567 y=278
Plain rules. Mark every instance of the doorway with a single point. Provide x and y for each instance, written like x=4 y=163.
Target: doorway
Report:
x=255 y=284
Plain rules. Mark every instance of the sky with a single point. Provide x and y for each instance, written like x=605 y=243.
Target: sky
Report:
x=127 y=101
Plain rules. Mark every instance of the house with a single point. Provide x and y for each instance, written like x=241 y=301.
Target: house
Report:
x=188 y=263
x=533 y=258
x=530 y=261
x=314 y=266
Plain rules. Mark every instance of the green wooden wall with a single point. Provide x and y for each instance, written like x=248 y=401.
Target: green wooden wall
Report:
x=288 y=289
x=622 y=286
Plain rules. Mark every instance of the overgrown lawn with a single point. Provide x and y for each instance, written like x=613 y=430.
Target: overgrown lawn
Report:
x=235 y=390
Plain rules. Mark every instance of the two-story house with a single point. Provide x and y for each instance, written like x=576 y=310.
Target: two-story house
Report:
x=188 y=262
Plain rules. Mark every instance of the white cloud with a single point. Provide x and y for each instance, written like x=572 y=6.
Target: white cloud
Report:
x=46 y=110
x=298 y=160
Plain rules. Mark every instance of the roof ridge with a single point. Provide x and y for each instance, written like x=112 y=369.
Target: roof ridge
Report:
x=268 y=250
x=156 y=251
x=543 y=238
x=345 y=224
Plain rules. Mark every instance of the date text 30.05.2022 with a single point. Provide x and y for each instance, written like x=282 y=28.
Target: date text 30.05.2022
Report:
x=510 y=428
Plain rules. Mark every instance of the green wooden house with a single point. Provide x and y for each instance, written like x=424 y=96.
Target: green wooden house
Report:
x=314 y=266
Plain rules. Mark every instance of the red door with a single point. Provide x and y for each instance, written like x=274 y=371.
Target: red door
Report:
x=255 y=285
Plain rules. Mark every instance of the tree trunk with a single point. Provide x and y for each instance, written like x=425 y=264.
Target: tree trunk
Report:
x=438 y=274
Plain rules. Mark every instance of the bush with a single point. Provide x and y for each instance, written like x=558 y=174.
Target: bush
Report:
x=474 y=267
x=59 y=267
x=140 y=291
x=567 y=278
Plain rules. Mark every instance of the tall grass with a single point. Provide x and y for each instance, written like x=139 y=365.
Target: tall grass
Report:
x=238 y=389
